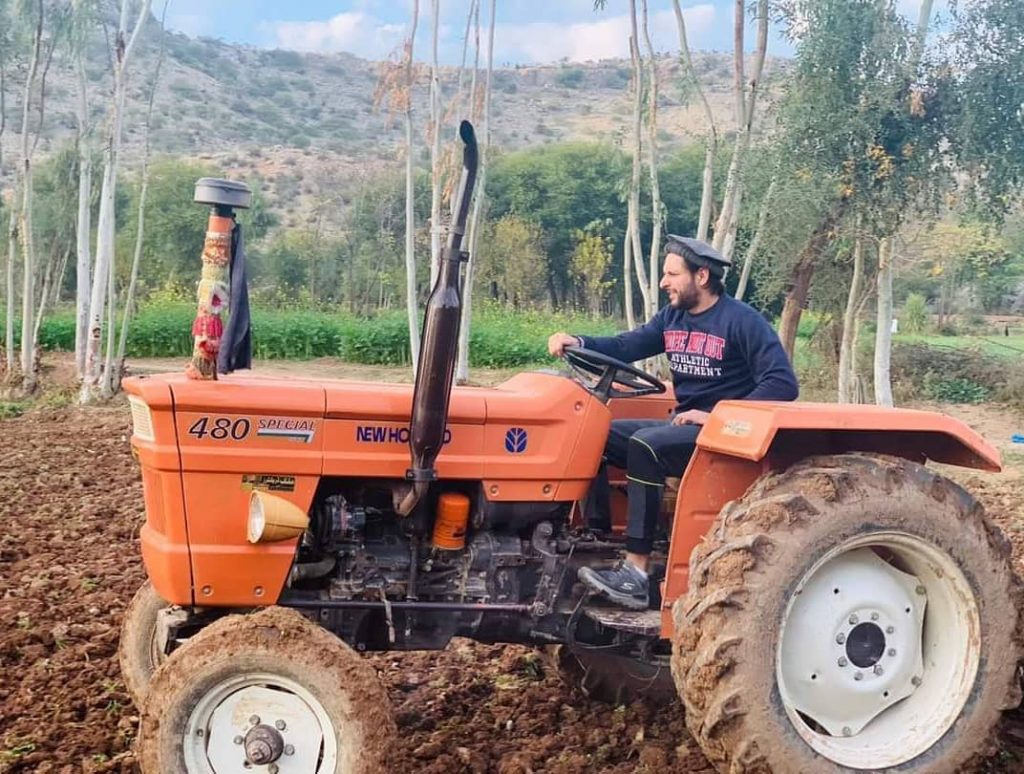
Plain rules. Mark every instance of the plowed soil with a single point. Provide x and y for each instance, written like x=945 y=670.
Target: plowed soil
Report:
x=70 y=511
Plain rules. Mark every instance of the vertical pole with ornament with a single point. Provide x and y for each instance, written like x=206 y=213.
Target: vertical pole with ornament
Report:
x=214 y=292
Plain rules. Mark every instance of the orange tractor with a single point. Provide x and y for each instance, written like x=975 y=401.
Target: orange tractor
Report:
x=827 y=604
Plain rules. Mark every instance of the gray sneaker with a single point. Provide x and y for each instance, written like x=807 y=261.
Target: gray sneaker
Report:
x=623 y=584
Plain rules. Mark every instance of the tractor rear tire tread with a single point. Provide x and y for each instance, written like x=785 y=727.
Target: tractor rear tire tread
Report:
x=722 y=622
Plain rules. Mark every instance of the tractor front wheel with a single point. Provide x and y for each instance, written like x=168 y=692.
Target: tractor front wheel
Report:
x=137 y=651
x=853 y=612
x=268 y=691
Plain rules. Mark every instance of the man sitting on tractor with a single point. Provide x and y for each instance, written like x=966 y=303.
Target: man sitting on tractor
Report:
x=718 y=348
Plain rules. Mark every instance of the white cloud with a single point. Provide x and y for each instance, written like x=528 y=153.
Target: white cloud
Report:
x=191 y=24
x=600 y=39
x=355 y=32
x=912 y=9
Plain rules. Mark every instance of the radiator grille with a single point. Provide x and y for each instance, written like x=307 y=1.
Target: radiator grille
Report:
x=142 y=419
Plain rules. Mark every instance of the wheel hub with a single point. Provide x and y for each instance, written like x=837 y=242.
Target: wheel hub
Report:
x=259 y=723
x=865 y=645
x=263 y=745
x=852 y=644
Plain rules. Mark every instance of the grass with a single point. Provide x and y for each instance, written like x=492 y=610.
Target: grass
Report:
x=499 y=338
x=994 y=346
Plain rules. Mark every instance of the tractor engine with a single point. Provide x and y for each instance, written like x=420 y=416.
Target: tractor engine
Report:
x=360 y=556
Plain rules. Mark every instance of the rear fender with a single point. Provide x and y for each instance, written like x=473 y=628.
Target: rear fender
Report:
x=742 y=440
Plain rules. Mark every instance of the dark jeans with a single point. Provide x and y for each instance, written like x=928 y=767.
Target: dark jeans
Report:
x=649 y=450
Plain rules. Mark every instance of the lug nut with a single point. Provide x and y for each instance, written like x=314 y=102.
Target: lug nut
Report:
x=920 y=590
x=853 y=619
x=878 y=670
x=847 y=731
x=289 y=749
x=840 y=638
x=890 y=629
x=915 y=681
x=279 y=725
x=239 y=740
x=892 y=652
x=842 y=661
x=254 y=719
x=272 y=769
x=874 y=616
x=858 y=676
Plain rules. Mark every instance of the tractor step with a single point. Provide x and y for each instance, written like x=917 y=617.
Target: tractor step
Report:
x=644 y=622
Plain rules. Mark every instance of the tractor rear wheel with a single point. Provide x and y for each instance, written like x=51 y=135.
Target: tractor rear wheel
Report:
x=853 y=612
x=265 y=691
x=137 y=651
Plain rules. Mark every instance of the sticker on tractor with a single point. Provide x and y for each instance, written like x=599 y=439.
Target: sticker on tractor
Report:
x=385 y=434
x=515 y=440
x=737 y=428
x=267 y=483
x=301 y=430
x=220 y=428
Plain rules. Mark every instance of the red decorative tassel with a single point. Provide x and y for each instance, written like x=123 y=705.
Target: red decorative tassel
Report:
x=209 y=348
x=208 y=325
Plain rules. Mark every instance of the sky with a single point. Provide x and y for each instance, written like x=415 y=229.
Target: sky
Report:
x=526 y=32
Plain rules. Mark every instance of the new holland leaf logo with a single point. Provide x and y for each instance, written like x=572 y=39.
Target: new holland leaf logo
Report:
x=515 y=440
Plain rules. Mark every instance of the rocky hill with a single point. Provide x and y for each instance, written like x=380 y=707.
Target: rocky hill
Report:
x=297 y=120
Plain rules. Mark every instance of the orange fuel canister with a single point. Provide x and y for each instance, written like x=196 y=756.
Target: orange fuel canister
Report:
x=450 y=521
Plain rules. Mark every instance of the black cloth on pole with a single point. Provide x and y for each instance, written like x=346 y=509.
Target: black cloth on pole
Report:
x=236 y=344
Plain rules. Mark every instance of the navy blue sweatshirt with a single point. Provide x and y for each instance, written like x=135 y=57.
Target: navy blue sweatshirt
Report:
x=726 y=352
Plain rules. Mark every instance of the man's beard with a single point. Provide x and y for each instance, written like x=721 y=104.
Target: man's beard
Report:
x=687 y=300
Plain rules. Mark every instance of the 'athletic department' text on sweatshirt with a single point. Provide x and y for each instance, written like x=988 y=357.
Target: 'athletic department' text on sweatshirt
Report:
x=726 y=352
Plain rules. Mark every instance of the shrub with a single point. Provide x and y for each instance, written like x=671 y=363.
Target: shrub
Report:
x=570 y=78
x=948 y=374
x=915 y=314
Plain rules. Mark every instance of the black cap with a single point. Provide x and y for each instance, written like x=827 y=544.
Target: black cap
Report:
x=698 y=252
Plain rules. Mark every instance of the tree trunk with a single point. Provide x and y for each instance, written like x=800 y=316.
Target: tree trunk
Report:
x=83 y=230
x=28 y=377
x=847 y=355
x=462 y=375
x=796 y=300
x=633 y=203
x=411 y=302
x=107 y=377
x=12 y=249
x=883 y=327
x=627 y=277
x=657 y=208
x=708 y=177
x=129 y=299
x=745 y=107
x=104 y=269
x=803 y=272
x=755 y=243
x=435 y=150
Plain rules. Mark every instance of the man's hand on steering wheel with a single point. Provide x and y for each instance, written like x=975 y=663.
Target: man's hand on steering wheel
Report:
x=557 y=343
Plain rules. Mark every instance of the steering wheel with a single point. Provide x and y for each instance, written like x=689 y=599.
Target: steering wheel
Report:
x=603 y=376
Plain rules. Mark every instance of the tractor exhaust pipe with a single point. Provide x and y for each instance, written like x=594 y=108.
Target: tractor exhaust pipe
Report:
x=440 y=342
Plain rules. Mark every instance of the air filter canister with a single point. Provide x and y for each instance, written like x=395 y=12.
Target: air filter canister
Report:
x=450 y=523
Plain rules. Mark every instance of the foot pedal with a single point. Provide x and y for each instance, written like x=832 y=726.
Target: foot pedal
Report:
x=643 y=622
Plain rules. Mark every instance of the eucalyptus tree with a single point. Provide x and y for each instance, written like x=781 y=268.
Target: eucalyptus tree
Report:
x=44 y=21
x=711 y=141
x=102 y=282
x=475 y=224
x=114 y=365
